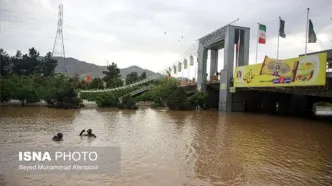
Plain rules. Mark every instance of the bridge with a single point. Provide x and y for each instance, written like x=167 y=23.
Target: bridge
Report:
x=223 y=92
x=146 y=80
x=138 y=91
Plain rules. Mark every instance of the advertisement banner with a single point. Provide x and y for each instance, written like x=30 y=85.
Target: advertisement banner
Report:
x=301 y=71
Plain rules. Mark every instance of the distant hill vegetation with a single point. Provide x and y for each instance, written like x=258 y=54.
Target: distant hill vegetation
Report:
x=82 y=68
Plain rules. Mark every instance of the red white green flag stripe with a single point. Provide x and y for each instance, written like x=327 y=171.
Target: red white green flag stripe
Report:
x=262 y=34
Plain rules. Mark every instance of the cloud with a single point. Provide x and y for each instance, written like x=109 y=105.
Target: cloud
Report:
x=131 y=32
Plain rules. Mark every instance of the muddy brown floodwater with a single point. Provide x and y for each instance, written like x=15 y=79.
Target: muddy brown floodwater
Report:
x=171 y=148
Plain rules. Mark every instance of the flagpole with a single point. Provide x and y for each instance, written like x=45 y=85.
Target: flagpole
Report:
x=278 y=40
x=257 y=42
x=306 y=33
x=238 y=49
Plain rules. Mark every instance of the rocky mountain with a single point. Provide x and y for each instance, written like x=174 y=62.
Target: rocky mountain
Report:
x=82 y=68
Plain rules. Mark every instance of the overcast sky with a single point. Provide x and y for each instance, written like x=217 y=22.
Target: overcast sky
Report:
x=132 y=32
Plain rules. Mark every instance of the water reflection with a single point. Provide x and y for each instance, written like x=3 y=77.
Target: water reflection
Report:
x=162 y=147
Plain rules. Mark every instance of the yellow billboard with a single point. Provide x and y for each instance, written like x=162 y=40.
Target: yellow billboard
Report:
x=301 y=71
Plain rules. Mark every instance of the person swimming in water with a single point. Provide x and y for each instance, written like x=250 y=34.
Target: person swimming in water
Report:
x=58 y=137
x=89 y=133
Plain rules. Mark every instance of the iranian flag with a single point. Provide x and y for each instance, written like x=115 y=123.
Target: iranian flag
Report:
x=261 y=34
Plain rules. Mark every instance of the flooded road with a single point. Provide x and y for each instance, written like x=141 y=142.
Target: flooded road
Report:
x=169 y=148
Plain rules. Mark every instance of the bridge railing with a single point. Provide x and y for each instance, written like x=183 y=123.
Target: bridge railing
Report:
x=148 y=79
x=137 y=91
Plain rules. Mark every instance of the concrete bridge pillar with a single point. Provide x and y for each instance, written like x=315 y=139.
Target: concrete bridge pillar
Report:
x=225 y=97
x=213 y=64
x=244 y=47
x=201 y=69
x=225 y=37
x=226 y=76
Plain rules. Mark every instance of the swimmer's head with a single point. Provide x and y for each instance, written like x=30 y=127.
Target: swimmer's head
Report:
x=59 y=135
x=89 y=131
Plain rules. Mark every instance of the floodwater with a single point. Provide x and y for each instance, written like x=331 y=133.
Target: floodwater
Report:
x=170 y=148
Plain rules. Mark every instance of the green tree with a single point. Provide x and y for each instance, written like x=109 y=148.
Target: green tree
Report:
x=108 y=99
x=5 y=63
x=96 y=83
x=27 y=64
x=59 y=92
x=142 y=76
x=177 y=100
x=128 y=102
x=18 y=55
x=146 y=96
x=131 y=78
x=75 y=81
x=198 y=98
x=83 y=85
x=114 y=83
x=24 y=89
x=33 y=53
x=67 y=97
x=48 y=65
x=51 y=85
x=112 y=76
x=163 y=89
x=6 y=88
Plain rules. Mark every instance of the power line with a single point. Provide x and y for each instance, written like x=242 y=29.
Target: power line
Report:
x=22 y=17
x=52 y=15
x=10 y=35
x=24 y=29
x=13 y=11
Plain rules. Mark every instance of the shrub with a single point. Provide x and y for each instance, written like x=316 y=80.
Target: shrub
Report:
x=128 y=102
x=198 y=98
x=146 y=96
x=5 y=90
x=67 y=98
x=107 y=100
x=178 y=100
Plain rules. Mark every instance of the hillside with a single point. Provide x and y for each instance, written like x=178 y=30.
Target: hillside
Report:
x=83 y=68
